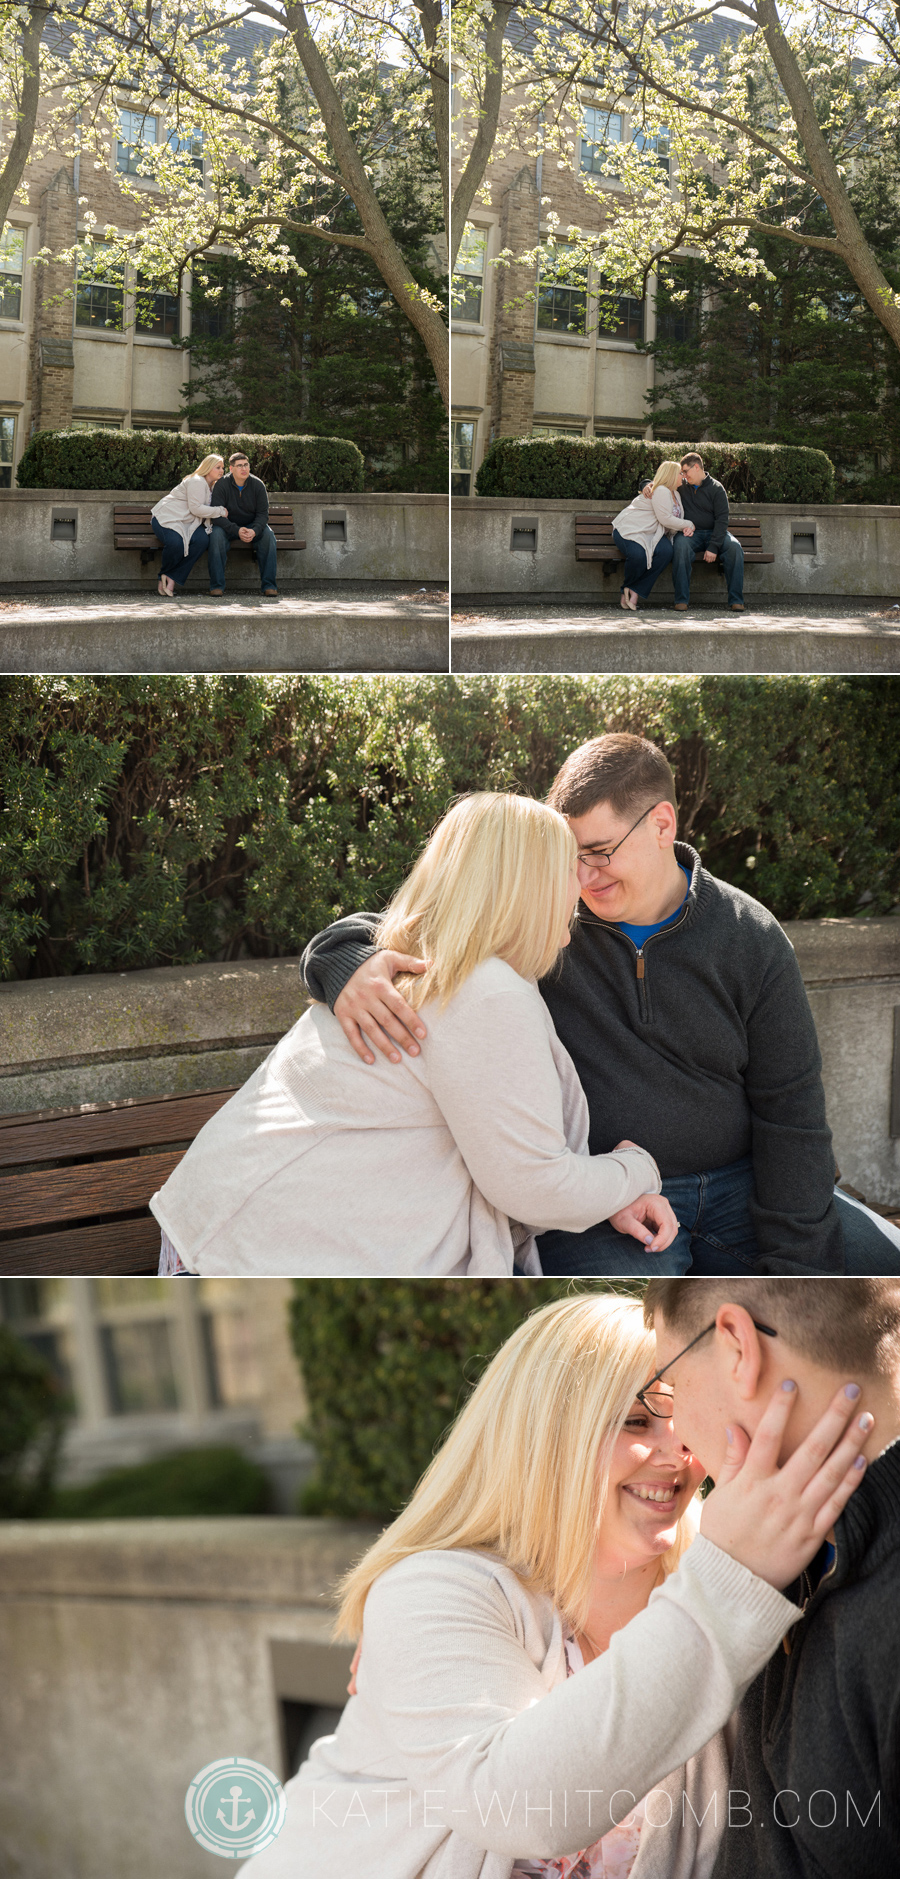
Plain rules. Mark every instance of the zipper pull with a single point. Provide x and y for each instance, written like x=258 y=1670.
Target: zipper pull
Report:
x=640 y=965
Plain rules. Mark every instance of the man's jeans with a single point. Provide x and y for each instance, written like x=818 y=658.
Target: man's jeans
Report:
x=264 y=548
x=731 y=555
x=715 y=1237
x=175 y=563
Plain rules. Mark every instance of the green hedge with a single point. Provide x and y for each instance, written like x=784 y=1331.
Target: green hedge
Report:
x=165 y=820
x=33 y=1410
x=605 y=469
x=388 y=1363
x=139 y=460
x=190 y=1482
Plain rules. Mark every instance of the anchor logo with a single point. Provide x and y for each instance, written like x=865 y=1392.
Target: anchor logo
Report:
x=234 y=1825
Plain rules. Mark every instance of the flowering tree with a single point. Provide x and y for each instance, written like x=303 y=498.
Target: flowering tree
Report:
x=796 y=101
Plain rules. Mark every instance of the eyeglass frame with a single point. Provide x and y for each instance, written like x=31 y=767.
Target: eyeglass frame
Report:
x=603 y=859
x=641 y=1395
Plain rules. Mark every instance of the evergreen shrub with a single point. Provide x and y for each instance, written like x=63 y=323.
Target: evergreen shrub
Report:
x=607 y=469
x=187 y=1483
x=388 y=1364
x=170 y=819
x=157 y=460
x=33 y=1410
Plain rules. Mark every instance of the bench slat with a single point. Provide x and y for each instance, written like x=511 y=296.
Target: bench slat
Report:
x=129 y=1246
x=106 y=1187
x=171 y=1119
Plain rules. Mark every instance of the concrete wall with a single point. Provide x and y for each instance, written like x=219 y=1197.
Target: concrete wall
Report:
x=110 y=1036
x=134 y=1652
x=388 y=538
x=857 y=551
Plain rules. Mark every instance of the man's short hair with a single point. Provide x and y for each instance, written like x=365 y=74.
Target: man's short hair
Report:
x=238 y=456
x=847 y=1325
x=627 y=772
x=693 y=456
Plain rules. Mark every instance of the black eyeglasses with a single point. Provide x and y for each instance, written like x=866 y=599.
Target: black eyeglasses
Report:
x=603 y=856
x=662 y=1402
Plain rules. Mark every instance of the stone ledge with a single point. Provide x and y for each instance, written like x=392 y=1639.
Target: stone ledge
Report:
x=797 y=646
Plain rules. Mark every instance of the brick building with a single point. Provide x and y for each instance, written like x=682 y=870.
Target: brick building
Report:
x=528 y=356
x=82 y=352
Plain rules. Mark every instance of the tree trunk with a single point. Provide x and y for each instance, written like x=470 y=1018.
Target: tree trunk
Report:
x=479 y=155
x=855 y=249
x=388 y=258
x=20 y=148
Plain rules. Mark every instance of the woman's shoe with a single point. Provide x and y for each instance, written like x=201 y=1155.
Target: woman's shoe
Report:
x=629 y=600
x=165 y=587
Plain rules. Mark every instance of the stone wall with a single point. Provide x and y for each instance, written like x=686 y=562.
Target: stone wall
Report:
x=856 y=551
x=387 y=538
x=100 y=1037
x=134 y=1652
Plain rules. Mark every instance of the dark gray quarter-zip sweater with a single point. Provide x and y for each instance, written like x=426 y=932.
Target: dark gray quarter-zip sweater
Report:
x=701 y=1047
x=815 y=1785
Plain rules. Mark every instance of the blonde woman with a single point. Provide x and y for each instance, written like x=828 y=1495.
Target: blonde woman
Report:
x=316 y=1166
x=550 y=1658
x=182 y=521
x=644 y=533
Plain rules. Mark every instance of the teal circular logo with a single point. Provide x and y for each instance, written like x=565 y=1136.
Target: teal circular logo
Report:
x=235 y=1807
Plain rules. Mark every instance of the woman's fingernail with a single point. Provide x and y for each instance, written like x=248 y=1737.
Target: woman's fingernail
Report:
x=414 y=1050
x=852 y=1390
x=866 y=1423
x=860 y=1462
x=788 y=1385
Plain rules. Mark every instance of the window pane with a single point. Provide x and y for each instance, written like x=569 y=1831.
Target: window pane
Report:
x=98 y=290
x=557 y=430
x=135 y=129
x=468 y=277
x=7 y=452
x=139 y=1367
x=596 y=160
x=156 y=312
x=188 y=144
x=656 y=143
x=462 y=446
x=12 y=247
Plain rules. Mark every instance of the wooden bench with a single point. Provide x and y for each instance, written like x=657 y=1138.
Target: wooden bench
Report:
x=75 y=1183
x=132 y=529
x=594 y=540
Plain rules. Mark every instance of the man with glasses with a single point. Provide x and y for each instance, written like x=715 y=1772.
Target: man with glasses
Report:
x=247 y=501
x=681 y=1003
x=815 y=1780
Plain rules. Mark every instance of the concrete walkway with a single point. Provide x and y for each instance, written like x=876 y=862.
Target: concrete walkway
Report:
x=323 y=626
x=777 y=635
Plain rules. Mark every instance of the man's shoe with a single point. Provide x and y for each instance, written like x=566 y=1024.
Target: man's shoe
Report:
x=271 y=593
x=737 y=606
x=681 y=606
x=217 y=592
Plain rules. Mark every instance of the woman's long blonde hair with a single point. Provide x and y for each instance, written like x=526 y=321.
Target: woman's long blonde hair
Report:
x=668 y=473
x=492 y=883
x=524 y=1471
x=207 y=464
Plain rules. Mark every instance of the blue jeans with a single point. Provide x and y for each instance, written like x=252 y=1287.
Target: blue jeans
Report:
x=264 y=548
x=175 y=563
x=731 y=555
x=637 y=575
x=715 y=1236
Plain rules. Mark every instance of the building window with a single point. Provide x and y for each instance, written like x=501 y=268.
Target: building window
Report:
x=656 y=143
x=94 y=424
x=12 y=249
x=557 y=430
x=189 y=145
x=601 y=128
x=621 y=317
x=156 y=311
x=137 y=132
x=140 y=1373
x=678 y=321
x=463 y=450
x=7 y=450
x=99 y=290
x=562 y=292
x=468 y=275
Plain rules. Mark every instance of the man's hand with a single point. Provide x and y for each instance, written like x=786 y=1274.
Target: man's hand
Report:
x=649 y=1219
x=688 y=528
x=647 y=490
x=370 y=1012
x=710 y=555
x=246 y=534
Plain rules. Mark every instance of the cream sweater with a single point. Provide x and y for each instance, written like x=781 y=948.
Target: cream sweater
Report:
x=467 y=1747
x=323 y=1165
x=186 y=505
x=648 y=518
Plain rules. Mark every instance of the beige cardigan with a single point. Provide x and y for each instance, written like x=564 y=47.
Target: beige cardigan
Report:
x=648 y=518
x=186 y=505
x=323 y=1165
x=467 y=1747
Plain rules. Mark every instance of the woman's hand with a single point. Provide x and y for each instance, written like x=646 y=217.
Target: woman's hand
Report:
x=649 y=1219
x=774 y=1519
x=371 y=1013
x=688 y=528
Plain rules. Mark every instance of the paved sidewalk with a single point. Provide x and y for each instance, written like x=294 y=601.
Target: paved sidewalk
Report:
x=789 y=634
x=323 y=626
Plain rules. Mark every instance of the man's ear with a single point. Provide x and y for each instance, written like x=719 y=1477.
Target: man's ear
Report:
x=664 y=821
x=744 y=1356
